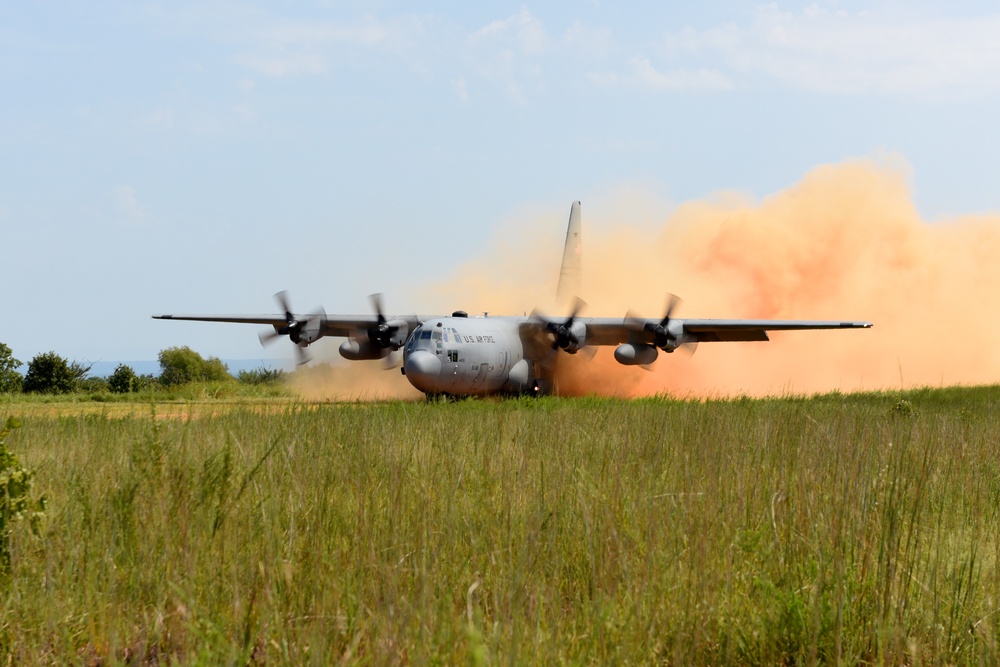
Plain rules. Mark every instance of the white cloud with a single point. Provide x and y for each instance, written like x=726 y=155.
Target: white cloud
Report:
x=126 y=204
x=642 y=74
x=461 y=88
x=508 y=53
x=366 y=30
x=297 y=47
x=834 y=51
x=521 y=30
x=589 y=41
x=279 y=65
x=163 y=117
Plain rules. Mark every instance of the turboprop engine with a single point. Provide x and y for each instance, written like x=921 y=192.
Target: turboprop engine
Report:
x=569 y=335
x=668 y=335
x=378 y=342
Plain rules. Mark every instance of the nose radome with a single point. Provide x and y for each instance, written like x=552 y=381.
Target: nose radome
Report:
x=422 y=369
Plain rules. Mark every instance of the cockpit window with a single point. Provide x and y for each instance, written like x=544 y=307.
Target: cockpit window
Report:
x=425 y=335
x=436 y=335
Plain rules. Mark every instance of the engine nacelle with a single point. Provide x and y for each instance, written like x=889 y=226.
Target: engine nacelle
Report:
x=358 y=350
x=573 y=338
x=635 y=355
x=393 y=335
x=309 y=332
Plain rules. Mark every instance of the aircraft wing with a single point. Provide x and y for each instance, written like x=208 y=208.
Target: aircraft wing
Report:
x=611 y=331
x=330 y=325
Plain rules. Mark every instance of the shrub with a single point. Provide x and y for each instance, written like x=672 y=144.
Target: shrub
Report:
x=123 y=380
x=180 y=365
x=49 y=373
x=262 y=375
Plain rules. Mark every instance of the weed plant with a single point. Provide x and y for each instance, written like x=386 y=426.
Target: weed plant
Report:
x=841 y=529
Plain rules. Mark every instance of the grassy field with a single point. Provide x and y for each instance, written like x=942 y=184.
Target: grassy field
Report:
x=836 y=529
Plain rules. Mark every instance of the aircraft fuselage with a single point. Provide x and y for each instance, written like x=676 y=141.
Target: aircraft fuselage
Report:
x=469 y=356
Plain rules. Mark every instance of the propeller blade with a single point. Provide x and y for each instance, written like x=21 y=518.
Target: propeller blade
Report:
x=268 y=337
x=286 y=306
x=302 y=357
x=578 y=305
x=562 y=332
x=633 y=322
x=376 y=301
x=672 y=302
x=391 y=362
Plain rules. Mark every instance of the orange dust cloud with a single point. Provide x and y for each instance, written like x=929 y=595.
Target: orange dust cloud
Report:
x=845 y=243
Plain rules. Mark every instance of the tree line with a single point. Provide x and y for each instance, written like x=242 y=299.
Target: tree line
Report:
x=50 y=373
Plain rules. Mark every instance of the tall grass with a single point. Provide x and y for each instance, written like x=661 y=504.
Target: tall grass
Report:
x=838 y=529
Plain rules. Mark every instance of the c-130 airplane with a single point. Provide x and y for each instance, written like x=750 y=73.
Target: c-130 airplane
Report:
x=458 y=355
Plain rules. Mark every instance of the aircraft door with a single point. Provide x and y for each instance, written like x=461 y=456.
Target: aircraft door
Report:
x=484 y=366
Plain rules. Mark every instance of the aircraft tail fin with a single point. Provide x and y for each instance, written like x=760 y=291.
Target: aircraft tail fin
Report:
x=571 y=270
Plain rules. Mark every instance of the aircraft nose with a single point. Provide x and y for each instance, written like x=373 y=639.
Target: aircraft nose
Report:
x=422 y=369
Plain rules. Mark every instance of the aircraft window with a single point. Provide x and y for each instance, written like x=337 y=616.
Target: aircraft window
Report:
x=436 y=335
x=425 y=335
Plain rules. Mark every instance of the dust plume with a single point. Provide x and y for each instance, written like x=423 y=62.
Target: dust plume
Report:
x=351 y=381
x=844 y=243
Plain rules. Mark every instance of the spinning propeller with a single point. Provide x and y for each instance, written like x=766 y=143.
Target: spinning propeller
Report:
x=562 y=332
x=384 y=332
x=293 y=328
x=663 y=338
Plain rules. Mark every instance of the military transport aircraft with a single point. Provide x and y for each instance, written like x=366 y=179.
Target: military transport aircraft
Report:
x=459 y=355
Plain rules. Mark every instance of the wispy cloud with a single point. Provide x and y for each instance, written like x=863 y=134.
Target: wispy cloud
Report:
x=823 y=49
x=299 y=47
x=589 y=41
x=126 y=204
x=523 y=31
x=510 y=53
x=284 y=64
x=640 y=73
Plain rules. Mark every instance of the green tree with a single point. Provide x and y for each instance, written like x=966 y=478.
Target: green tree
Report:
x=51 y=374
x=10 y=379
x=123 y=380
x=179 y=365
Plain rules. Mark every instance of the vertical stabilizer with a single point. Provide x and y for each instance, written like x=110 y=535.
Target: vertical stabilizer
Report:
x=571 y=271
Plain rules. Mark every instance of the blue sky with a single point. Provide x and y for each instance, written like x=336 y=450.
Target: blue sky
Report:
x=198 y=157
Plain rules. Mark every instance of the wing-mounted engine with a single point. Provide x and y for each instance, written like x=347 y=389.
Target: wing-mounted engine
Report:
x=301 y=331
x=389 y=334
x=668 y=335
x=311 y=330
x=380 y=341
x=570 y=334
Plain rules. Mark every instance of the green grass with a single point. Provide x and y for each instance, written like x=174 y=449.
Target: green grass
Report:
x=834 y=529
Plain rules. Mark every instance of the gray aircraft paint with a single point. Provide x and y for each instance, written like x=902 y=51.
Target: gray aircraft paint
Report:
x=571 y=270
